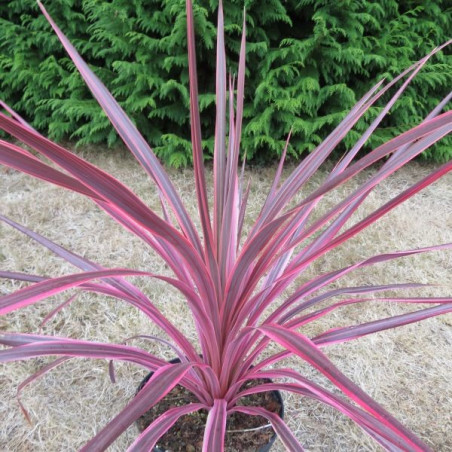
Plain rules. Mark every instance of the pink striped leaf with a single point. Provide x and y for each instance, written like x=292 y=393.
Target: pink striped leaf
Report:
x=15 y=115
x=356 y=331
x=27 y=346
x=277 y=178
x=231 y=210
x=240 y=95
x=149 y=437
x=442 y=126
x=215 y=427
x=49 y=287
x=220 y=130
x=321 y=281
x=34 y=377
x=281 y=429
x=242 y=213
x=20 y=276
x=120 y=199
x=343 y=291
x=379 y=431
x=160 y=384
x=130 y=135
x=13 y=157
x=196 y=140
x=302 y=346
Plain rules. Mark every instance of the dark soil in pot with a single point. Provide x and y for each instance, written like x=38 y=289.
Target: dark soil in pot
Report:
x=187 y=434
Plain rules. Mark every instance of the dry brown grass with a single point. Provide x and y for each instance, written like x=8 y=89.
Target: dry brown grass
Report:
x=407 y=370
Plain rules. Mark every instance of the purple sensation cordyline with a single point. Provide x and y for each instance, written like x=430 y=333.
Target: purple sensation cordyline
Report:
x=228 y=280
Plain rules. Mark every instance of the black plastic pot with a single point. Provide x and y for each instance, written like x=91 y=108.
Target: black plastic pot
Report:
x=275 y=394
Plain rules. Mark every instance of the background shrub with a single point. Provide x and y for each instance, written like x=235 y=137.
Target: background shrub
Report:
x=308 y=61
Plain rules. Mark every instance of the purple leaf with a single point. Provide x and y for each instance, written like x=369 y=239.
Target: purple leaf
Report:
x=161 y=382
x=353 y=332
x=308 y=351
x=149 y=437
x=215 y=427
x=130 y=135
x=281 y=429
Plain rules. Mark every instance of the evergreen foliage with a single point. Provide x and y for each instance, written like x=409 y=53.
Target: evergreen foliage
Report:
x=308 y=60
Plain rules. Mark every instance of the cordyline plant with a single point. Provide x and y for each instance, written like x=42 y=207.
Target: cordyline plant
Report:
x=228 y=280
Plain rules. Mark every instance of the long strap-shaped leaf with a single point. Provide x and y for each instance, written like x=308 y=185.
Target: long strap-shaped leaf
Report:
x=196 y=140
x=27 y=346
x=231 y=210
x=33 y=294
x=36 y=292
x=220 y=131
x=161 y=382
x=215 y=427
x=130 y=135
x=281 y=429
x=377 y=430
x=15 y=157
x=294 y=268
x=121 y=200
x=15 y=115
x=338 y=335
x=343 y=291
x=309 y=165
x=302 y=346
x=20 y=276
x=44 y=173
x=149 y=438
x=282 y=262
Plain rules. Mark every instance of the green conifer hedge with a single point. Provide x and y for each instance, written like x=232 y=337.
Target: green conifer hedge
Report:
x=307 y=60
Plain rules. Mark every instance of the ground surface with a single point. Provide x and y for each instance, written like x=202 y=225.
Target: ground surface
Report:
x=407 y=370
